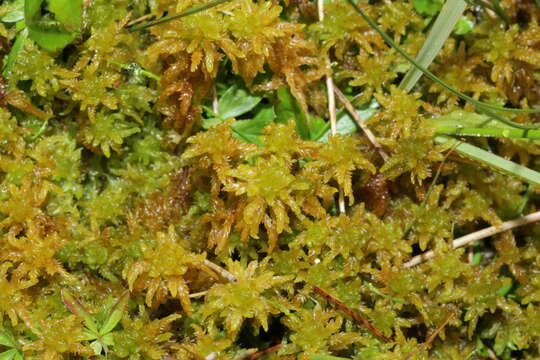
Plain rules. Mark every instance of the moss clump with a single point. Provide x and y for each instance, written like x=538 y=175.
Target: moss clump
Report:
x=118 y=174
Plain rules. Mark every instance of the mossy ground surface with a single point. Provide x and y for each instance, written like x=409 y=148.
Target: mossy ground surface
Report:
x=122 y=182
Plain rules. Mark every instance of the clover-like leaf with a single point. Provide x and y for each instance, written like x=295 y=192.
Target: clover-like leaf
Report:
x=76 y=307
x=16 y=14
x=9 y=354
x=97 y=347
x=115 y=315
x=6 y=340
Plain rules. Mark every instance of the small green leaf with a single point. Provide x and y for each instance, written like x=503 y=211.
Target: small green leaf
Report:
x=287 y=109
x=48 y=34
x=6 y=340
x=97 y=347
x=115 y=315
x=89 y=335
x=250 y=130
x=8 y=355
x=18 y=356
x=211 y=122
x=68 y=12
x=236 y=101
x=318 y=128
x=32 y=11
x=108 y=339
x=463 y=26
x=14 y=53
x=428 y=7
x=51 y=39
x=17 y=14
x=75 y=306
x=503 y=291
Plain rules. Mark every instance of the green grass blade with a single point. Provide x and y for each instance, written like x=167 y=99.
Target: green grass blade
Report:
x=443 y=26
x=487 y=108
x=489 y=132
x=464 y=123
x=494 y=161
x=192 y=10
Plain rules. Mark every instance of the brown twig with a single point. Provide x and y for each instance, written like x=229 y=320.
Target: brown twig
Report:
x=360 y=122
x=138 y=20
x=264 y=352
x=221 y=271
x=357 y=317
x=198 y=294
x=478 y=235
x=432 y=337
x=331 y=105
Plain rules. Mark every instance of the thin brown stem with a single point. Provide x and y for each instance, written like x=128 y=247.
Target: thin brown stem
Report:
x=264 y=352
x=360 y=122
x=221 y=271
x=331 y=104
x=198 y=294
x=138 y=20
x=432 y=337
x=357 y=317
x=478 y=235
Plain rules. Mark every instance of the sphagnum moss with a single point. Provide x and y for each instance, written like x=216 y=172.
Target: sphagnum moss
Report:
x=119 y=184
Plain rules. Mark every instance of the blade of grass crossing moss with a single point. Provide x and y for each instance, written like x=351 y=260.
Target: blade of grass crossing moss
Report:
x=485 y=107
x=489 y=132
x=192 y=10
x=443 y=26
x=494 y=161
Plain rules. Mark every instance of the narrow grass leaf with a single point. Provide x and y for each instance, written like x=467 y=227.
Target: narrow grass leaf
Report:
x=443 y=26
x=494 y=161
x=464 y=123
x=485 y=107
x=14 y=53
